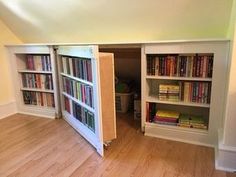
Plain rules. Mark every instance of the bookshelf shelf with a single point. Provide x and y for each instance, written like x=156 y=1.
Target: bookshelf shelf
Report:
x=179 y=78
x=77 y=79
x=177 y=128
x=79 y=102
x=41 y=108
x=37 y=90
x=156 y=100
x=34 y=71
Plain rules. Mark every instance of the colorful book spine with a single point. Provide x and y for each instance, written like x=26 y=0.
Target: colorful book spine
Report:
x=77 y=67
x=78 y=90
x=38 y=62
x=180 y=65
x=38 y=99
x=37 y=81
x=83 y=115
x=196 y=92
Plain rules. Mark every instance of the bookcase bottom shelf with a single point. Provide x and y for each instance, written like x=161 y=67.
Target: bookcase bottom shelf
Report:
x=41 y=111
x=175 y=133
x=81 y=129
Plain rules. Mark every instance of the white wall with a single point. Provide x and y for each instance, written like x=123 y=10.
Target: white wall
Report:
x=6 y=88
x=115 y=20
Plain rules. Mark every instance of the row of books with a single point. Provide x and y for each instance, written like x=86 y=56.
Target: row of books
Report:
x=38 y=62
x=78 y=90
x=166 y=117
x=77 y=67
x=169 y=92
x=180 y=66
x=196 y=92
x=192 y=121
x=174 y=118
x=80 y=113
x=38 y=99
x=39 y=81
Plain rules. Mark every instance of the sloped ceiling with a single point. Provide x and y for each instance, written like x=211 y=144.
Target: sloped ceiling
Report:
x=115 y=20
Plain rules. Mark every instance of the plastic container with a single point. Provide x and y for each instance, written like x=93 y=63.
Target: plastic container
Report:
x=123 y=102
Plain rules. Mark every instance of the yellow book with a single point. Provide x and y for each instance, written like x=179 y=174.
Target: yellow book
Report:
x=168 y=114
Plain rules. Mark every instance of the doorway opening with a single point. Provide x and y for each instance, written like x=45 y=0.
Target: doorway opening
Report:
x=127 y=65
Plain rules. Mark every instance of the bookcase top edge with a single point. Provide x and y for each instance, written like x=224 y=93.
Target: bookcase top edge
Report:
x=120 y=44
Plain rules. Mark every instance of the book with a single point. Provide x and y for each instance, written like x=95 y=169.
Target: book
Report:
x=180 y=65
x=168 y=114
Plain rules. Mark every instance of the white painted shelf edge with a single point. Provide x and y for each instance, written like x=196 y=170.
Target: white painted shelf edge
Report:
x=35 y=71
x=177 y=128
x=77 y=79
x=39 y=108
x=179 y=78
x=155 y=100
x=37 y=90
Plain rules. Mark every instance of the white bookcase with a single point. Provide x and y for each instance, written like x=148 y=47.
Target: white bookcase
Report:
x=97 y=123
x=211 y=112
x=87 y=92
x=35 y=63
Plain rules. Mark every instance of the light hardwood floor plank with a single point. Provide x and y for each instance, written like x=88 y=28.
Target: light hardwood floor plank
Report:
x=39 y=147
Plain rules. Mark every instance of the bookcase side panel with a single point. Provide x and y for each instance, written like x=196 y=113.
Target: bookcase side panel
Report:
x=55 y=80
x=97 y=103
x=143 y=86
x=219 y=82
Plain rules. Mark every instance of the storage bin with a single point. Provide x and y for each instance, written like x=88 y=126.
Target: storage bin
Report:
x=123 y=102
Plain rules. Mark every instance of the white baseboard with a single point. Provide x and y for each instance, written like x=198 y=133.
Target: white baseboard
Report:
x=7 y=109
x=225 y=156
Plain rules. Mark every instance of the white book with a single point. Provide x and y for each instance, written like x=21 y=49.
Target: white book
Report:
x=64 y=67
x=71 y=67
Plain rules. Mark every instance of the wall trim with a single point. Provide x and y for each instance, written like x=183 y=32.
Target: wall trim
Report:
x=225 y=156
x=8 y=109
x=225 y=160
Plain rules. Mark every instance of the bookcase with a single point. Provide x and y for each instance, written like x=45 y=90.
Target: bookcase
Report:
x=73 y=82
x=35 y=80
x=87 y=96
x=182 y=84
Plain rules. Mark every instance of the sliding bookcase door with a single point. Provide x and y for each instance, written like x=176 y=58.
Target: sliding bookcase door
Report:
x=80 y=91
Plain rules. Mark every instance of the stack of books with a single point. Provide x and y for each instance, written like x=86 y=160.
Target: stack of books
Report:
x=198 y=92
x=169 y=92
x=167 y=117
x=191 y=121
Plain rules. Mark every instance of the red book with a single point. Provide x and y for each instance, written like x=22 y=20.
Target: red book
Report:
x=168 y=66
x=194 y=66
x=201 y=66
x=165 y=119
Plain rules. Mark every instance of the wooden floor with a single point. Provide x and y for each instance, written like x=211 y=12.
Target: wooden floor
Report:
x=31 y=146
